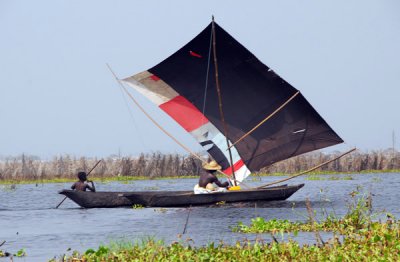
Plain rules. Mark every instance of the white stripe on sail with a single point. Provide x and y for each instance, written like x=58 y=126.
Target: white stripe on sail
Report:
x=157 y=91
x=208 y=132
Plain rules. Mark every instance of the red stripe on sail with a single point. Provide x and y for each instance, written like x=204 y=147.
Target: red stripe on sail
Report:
x=155 y=78
x=236 y=167
x=184 y=112
x=195 y=54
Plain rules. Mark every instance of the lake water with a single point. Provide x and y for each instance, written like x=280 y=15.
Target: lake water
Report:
x=29 y=220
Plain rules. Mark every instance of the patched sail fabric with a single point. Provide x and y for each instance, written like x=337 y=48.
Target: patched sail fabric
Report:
x=251 y=91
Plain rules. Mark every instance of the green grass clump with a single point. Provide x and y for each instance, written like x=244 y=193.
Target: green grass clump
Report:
x=380 y=243
x=358 y=217
x=123 y=179
x=327 y=172
x=19 y=253
x=314 y=177
x=362 y=240
x=137 y=206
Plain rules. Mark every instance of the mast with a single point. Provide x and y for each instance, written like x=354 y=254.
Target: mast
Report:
x=221 y=112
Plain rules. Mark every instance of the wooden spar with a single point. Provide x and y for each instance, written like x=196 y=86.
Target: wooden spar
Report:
x=307 y=171
x=265 y=119
x=86 y=175
x=161 y=128
x=221 y=112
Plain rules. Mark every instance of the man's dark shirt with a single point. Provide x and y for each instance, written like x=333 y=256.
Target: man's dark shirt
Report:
x=207 y=177
x=82 y=186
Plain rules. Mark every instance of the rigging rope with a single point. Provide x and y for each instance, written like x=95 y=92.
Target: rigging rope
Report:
x=208 y=71
x=132 y=117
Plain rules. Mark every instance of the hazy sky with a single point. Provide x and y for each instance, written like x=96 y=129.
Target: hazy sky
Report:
x=57 y=95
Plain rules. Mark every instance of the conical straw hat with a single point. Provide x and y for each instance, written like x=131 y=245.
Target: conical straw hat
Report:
x=213 y=165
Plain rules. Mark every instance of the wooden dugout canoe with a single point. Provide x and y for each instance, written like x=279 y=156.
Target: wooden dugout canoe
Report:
x=176 y=198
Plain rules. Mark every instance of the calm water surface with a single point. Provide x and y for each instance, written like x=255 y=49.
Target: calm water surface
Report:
x=29 y=220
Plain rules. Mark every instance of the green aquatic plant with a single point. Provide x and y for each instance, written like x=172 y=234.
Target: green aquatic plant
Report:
x=315 y=177
x=100 y=252
x=347 y=177
x=137 y=206
x=260 y=225
x=9 y=187
x=332 y=177
x=376 y=180
x=358 y=217
x=161 y=210
x=152 y=188
x=255 y=178
x=20 y=253
x=361 y=239
x=105 y=179
x=380 y=243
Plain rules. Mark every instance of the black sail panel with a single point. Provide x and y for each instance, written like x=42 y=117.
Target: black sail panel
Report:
x=250 y=92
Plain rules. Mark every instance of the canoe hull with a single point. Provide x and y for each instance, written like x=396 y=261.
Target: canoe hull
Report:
x=176 y=198
x=96 y=199
x=190 y=199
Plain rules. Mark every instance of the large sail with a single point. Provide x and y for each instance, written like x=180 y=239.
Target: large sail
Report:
x=251 y=91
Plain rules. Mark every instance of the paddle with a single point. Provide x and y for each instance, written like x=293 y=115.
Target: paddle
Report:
x=98 y=162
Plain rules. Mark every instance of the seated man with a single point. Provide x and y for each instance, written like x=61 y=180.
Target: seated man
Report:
x=208 y=178
x=81 y=185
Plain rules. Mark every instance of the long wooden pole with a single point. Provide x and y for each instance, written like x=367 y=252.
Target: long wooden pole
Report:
x=221 y=112
x=265 y=119
x=98 y=162
x=307 y=171
x=161 y=128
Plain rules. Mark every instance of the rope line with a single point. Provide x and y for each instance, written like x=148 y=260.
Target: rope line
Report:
x=207 y=73
x=133 y=118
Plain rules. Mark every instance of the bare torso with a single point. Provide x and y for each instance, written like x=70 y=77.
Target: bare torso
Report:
x=82 y=186
x=207 y=177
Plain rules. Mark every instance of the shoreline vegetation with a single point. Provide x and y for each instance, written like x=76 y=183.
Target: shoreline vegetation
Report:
x=30 y=169
x=357 y=236
x=315 y=175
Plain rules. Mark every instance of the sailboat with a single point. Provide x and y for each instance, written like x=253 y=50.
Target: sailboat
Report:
x=238 y=109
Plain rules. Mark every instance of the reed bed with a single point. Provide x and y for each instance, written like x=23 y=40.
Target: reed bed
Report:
x=357 y=161
x=158 y=165
x=25 y=168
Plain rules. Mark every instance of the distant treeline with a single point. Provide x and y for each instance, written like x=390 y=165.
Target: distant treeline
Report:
x=169 y=165
x=146 y=165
